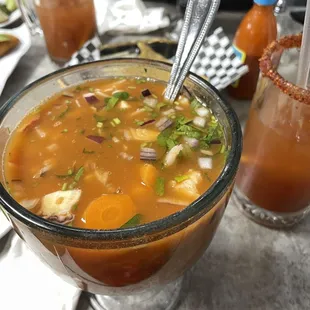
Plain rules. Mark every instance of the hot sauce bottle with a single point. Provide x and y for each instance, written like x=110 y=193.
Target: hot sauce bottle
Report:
x=257 y=29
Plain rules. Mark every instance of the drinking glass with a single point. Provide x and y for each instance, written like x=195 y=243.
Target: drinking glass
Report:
x=131 y=268
x=273 y=182
x=66 y=24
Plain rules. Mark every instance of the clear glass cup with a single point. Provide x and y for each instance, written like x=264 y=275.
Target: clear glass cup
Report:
x=273 y=182
x=66 y=24
x=140 y=267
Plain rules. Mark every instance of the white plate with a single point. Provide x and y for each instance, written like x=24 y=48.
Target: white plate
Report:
x=12 y=18
x=9 y=61
x=5 y=226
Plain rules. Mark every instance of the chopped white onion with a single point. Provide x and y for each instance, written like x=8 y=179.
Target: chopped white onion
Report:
x=29 y=203
x=115 y=140
x=183 y=100
x=199 y=121
x=150 y=102
x=127 y=135
x=205 y=162
x=52 y=147
x=192 y=142
x=40 y=132
x=172 y=155
x=207 y=152
x=126 y=156
x=169 y=112
x=202 y=112
x=179 y=108
x=123 y=105
x=102 y=176
x=77 y=103
x=58 y=123
x=101 y=94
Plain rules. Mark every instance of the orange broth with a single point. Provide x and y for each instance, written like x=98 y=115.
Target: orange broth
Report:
x=76 y=159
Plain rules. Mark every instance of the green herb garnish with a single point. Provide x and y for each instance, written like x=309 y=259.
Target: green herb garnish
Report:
x=194 y=105
x=65 y=130
x=79 y=174
x=134 y=221
x=138 y=123
x=99 y=118
x=64 y=187
x=111 y=102
x=82 y=131
x=62 y=114
x=85 y=151
x=181 y=178
x=160 y=186
x=140 y=81
x=70 y=173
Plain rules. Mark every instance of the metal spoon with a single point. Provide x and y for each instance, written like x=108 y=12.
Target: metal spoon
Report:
x=199 y=16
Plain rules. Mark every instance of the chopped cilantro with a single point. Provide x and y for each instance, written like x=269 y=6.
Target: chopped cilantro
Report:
x=111 y=102
x=85 y=151
x=65 y=130
x=99 y=118
x=79 y=174
x=160 y=186
x=195 y=104
x=62 y=114
x=64 y=187
x=138 y=123
x=140 y=81
x=181 y=178
x=134 y=221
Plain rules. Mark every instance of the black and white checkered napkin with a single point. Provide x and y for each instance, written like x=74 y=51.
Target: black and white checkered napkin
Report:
x=216 y=59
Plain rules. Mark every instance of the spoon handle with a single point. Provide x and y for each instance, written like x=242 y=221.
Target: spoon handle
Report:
x=199 y=16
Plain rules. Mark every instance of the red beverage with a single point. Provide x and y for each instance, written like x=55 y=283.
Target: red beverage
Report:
x=273 y=182
x=67 y=25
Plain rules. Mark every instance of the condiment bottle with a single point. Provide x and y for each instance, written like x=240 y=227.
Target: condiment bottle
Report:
x=257 y=29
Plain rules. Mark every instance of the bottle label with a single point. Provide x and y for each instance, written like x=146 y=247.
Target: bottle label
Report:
x=242 y=56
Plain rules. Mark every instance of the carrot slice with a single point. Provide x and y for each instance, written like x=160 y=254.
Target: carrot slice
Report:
x=109 y=212
x=148 y=174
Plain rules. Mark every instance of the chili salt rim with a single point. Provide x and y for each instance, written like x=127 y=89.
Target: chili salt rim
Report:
x=268 y=69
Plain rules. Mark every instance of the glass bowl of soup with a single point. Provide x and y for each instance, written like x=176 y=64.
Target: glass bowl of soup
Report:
x=118 y=191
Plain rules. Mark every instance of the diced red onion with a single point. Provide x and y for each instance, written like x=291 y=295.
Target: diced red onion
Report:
x=148 y=122
x=97 y=139
x=147 y=153
x=199 y=121
x=150 y=102
x=68 y=94
x=202 y=112
x=205 y=162
x=164 y=123
x=146 y=93
x=91 y=98
x=192 y=142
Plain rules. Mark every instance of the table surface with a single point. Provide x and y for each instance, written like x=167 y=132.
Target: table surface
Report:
x=247 y=266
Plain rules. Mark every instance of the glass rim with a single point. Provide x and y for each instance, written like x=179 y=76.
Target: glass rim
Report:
x=270 y=60
x=209 y=198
